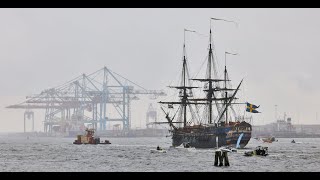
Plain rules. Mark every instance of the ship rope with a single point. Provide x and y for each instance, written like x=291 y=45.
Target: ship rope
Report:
x=175 y=113
x=205 y=114
x=198 y=113
x=204 y=61
x=193 y=115
x=180 y=116
x=237 y=113
x=216 y=74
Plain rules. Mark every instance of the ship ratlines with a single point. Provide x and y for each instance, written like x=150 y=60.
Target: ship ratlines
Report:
x=206 y=122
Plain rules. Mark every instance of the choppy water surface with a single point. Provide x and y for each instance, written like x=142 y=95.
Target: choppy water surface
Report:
x=133 y=154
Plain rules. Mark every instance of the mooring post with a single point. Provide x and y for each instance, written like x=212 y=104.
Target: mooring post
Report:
x=225 y=157
x=218 y=157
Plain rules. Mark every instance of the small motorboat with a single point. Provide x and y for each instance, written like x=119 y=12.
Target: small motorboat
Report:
x=186 y=145
x=190 y=149
x=260 y=151
x=249 y=153
x=269 y=139
x=228 y=149
x=157 y=151
x=106 y=142
x=293 y=141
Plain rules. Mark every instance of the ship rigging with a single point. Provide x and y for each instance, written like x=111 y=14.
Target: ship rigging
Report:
x=209 y=130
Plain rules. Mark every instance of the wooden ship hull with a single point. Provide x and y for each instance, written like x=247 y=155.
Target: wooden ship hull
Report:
x=211 y=137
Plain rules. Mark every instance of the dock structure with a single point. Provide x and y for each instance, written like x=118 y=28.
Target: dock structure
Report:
x=87 y=99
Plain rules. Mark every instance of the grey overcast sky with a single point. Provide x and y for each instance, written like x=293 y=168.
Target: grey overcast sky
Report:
x=278 y=50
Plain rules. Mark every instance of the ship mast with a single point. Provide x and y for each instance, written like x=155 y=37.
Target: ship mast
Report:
x=210 y=91
x=225 y=85
x=210 y=97
x=184 y=69
x=183 y=88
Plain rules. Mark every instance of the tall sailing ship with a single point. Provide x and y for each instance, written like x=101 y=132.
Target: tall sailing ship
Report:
x=215 y=128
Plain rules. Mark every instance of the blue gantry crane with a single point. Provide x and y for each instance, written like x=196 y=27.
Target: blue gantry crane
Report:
x=87 y=99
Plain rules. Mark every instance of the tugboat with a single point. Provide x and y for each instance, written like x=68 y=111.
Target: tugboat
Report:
x=89 y=138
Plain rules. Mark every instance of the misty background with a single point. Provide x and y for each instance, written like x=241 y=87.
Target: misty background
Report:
x=278 y=54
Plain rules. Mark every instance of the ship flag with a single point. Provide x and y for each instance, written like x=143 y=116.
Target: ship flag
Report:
x=252 y=108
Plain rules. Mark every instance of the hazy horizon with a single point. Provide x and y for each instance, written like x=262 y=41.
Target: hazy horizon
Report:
x=278 y=54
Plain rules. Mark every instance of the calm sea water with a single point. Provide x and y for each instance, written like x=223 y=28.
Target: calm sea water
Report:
x=133 y=154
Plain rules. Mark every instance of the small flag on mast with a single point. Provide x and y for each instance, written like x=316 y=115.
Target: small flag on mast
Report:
x=252 y=108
